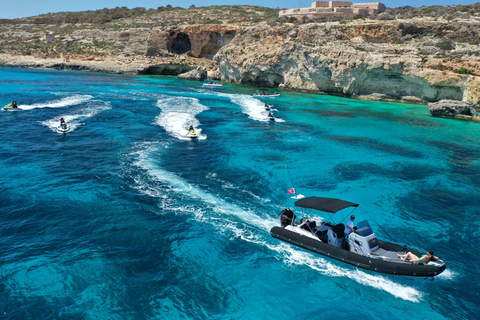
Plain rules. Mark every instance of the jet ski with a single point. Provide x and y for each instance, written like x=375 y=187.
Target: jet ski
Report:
x=10 y=107
x=63 y=128
x=192 y=134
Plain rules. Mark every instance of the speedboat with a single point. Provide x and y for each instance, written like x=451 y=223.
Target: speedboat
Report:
x=361 y=249
x=265 y=94
x=211 y=84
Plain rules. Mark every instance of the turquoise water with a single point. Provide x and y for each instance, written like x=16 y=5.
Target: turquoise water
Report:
x=123 y=217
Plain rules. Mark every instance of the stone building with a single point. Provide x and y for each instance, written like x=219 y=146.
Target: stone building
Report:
x=49 y=37
x=334 y=8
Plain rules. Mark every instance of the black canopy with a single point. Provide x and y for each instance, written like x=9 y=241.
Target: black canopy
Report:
x=324 y=204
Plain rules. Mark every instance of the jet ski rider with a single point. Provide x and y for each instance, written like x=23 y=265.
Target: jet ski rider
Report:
x=63 y=124
x=191 y=130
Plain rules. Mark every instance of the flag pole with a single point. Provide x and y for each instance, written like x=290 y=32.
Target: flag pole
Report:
x=291 y=181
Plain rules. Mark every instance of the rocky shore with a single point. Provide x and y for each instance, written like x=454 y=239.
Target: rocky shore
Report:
x=393 y=60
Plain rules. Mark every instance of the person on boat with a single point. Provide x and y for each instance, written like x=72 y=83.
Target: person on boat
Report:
x=267 y=106
x=14 y=104
x=349 y=228
x=426 y=258
x=270 y=115
x=191 y=130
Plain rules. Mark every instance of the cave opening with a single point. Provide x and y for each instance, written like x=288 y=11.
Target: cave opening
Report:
x=181 y=44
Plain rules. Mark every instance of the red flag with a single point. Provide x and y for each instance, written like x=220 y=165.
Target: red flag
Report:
x=292 y=190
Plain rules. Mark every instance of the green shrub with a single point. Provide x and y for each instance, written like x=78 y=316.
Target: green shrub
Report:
x=446 y=44
x=463 y=70
x=152 y=52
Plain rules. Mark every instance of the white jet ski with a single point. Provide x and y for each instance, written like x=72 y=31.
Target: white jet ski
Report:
x=63 y=128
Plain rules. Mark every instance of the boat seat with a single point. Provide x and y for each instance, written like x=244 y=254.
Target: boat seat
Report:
x=336 y=235
x=310 y=226
x=379 y=252
x=339 y=230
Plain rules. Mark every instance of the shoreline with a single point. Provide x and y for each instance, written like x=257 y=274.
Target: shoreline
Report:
x=144 y=65
x=139 y=66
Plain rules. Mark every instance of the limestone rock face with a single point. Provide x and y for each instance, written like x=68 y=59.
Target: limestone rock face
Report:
x=197 y=74
x=341 y=59
x=200 y=41
x=393 y=60
x=453 y=109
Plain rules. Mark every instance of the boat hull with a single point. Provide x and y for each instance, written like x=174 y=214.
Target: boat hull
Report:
x=376 y=265
x=265 y=95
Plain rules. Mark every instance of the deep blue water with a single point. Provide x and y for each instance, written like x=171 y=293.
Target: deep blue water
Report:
x=123 y=217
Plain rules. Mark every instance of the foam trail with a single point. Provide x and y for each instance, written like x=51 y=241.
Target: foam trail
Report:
x=288 y=252
x=178 y=113
x=375 y=281
x=447 y=275
x=220 y=206
x=73 y=120
x=64 y=102
x=252 y=107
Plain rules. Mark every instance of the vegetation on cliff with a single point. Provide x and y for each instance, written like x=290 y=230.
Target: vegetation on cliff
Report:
x=437 y=46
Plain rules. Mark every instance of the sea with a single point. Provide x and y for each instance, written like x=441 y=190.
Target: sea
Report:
x=124 y=217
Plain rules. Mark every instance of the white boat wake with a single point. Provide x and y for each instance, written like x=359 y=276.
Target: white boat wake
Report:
x=74 y=120
x=219 y=210
x=252 y=107
x=64 y=102
x=177 y=114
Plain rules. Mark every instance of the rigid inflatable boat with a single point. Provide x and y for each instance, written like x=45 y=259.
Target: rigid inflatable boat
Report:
x=361 y=249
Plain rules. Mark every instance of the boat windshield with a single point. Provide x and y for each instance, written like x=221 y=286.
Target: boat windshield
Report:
x=364 y=229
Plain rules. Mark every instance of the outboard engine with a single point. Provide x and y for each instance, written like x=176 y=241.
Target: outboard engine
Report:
x=363 y=240
x=287 y=217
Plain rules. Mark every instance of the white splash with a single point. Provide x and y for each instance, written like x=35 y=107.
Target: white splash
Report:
x=64 y=102
x=255 y=109
x=73 y=120
x=178 y=113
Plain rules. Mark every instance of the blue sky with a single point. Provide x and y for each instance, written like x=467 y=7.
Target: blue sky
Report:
x=10 y=9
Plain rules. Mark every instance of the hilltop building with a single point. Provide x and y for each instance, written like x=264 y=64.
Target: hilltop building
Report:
x=334 y=8
x=49 y=37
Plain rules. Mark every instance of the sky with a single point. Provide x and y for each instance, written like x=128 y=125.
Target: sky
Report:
x=11 y=9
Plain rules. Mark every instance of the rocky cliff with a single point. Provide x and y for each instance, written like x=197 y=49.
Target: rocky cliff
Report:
x=357 y=59
x=416 y=60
